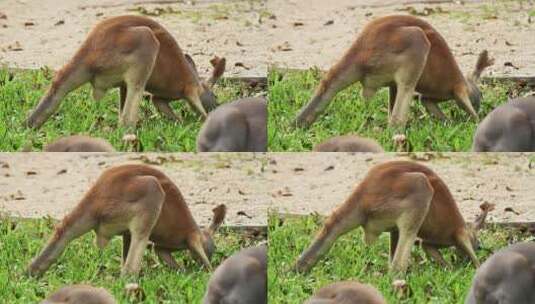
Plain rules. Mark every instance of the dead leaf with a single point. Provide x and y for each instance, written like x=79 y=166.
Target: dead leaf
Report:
x=510 y=64
x=510 y=209
x=285 y=47
x=284 y=192
x=242 y=213
x=241 y=65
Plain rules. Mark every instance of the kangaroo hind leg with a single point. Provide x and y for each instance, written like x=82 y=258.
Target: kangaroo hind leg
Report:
x=413 y=210
x=146 y=211
x=412 y=62
x=139 y=69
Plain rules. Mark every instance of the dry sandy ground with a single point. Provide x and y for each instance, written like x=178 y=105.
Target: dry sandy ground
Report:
x=318 y=182
x=202 y=28
x=286 y=33
x=502 y=27
x=38 y=184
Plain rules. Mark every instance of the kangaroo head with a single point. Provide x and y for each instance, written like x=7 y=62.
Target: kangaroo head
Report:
x=472 y=79
x=473 y=228
x=208 y=98
x=208 y=232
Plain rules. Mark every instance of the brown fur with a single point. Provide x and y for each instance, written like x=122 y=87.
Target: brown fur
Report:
x=403 y=53
x=406 y=199
x=348 y=143
x=80 y=294
x=79 y=143
x=141 y=204
x=135 y=54
x=347 y=292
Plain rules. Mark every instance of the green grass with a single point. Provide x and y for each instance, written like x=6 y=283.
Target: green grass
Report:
x=351 y=259
x=349 y=113
x=82 y=261
x=80 y=114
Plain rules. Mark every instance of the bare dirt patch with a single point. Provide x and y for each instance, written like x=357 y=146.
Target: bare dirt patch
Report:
x=254 y=34
x=51 y=184
x=318 y=182
x=317 y=32
x=38 y=33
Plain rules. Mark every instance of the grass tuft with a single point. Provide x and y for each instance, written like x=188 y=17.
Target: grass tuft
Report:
x=351 y=259
x=349 y=113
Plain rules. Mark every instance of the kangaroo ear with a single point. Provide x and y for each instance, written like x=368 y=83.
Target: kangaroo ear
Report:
x=219 y=68
x=483 y=61
x=219 y=215
x=486 y=207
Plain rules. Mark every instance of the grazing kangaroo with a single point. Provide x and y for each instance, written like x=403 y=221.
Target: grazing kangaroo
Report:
x=349 y=143
x=135 y=54
x=406 y=54
x=507 y=277
x=347 y=292
x=238 y=126
x=141 y=204
x=406 y=199
x=79 y=143
x=240 y=279
x=80 y=294
x=508 y=128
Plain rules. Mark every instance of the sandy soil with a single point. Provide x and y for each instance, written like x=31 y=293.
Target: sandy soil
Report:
x=318 y=182
x=317 y=32
x=286 y=33
x=39 y=184
x=202 y=28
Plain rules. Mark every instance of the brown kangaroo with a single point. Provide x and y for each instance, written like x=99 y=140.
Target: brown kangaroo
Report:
x=406 y=54
x=347 y=292
x=141 y=204
x=135 y=54
x=406 y=199
x=80 y=294
x=348 y=143
x=79 y=143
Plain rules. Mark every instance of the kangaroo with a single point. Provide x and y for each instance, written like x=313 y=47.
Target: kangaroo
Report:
x=507 y=277
x=239 y=126
x=141 y=204
x=408 y=200
x=240 y=279
x=80 y=294
x=79 y=143
x=347 y=292
x=348 y=143
x=405 y=54
x=136 y=54
x=508 y=128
